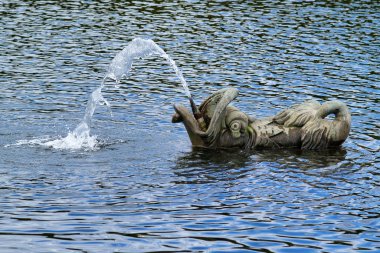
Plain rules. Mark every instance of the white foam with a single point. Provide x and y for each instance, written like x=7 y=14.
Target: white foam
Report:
x=73 y=142
x=70 y=142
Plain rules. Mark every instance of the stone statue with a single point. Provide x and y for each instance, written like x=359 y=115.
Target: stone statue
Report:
x=302 y=125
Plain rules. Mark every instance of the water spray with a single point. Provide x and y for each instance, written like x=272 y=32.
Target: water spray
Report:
x=120 y=67
x=122 y=63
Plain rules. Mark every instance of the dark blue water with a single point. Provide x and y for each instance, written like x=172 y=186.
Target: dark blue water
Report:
x=144 y=189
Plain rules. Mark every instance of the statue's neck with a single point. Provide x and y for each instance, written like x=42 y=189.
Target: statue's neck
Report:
x=251 y=137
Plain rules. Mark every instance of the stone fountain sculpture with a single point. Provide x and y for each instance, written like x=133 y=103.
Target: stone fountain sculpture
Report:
x=220 y=125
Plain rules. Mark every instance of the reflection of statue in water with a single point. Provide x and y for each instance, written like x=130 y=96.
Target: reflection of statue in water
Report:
x=302 y=125
x=216 y=165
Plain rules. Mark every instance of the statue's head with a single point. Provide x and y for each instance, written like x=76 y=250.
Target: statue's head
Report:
x=236 y=122
x=226 y=125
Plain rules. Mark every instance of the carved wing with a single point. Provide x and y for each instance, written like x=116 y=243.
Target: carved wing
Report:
x=297 y=115
x=316 y=134
x=214 y=110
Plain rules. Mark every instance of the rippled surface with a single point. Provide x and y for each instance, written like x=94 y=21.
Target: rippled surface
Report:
x=144 y=189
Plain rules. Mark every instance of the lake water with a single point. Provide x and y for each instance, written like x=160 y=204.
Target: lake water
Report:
x=143 y=188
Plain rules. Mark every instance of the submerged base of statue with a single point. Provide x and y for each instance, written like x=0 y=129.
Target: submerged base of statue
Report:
x=304 y=125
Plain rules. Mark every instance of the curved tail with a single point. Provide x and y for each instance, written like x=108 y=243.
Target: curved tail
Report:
x=322 y=133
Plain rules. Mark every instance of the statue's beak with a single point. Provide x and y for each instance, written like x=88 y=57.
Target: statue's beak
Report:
x=192 y=127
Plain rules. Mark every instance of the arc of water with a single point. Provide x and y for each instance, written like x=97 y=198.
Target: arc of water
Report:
x=140 y=48
x=120 y=67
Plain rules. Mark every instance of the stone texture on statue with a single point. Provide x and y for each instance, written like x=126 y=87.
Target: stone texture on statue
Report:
x=303 y=125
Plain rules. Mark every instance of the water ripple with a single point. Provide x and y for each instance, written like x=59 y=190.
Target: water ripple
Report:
x=144 y=188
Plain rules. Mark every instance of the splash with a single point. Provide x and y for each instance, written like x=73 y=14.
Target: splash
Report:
x=71 y=142
x=119 y=68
